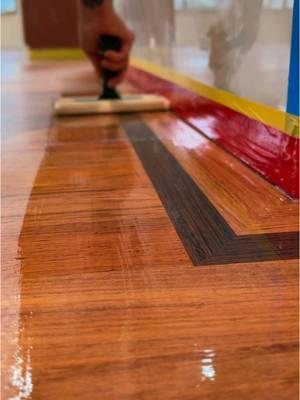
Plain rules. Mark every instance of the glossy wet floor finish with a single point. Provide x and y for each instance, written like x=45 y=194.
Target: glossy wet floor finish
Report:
x=139 y=260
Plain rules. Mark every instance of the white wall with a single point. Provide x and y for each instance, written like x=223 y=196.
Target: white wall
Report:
x=243 y=48
x=194 y=25
x=12 y=29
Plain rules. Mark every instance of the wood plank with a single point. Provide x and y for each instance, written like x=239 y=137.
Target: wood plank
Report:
x=99 y=296
x=206 y=235
x=248 y=202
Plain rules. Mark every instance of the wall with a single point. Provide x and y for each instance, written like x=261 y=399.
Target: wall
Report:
x=12 y=29
x=266 y=61
x=232 y=46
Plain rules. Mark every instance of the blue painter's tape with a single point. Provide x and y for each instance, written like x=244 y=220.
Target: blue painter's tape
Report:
x=293 y=90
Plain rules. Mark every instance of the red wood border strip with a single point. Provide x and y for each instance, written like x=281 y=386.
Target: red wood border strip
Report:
x=270 y=152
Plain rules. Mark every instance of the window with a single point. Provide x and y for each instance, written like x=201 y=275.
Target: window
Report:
x=7 y=6
x=278 y=4
x=196 y=4
x=180 y=4
x=218 y=4
x=202 y=3
x=289 y=3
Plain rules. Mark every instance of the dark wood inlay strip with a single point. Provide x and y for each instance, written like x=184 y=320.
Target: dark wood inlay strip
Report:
x=207 y=237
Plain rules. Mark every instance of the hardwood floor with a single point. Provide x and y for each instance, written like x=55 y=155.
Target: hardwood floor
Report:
x=102 y=297
x=206 y=235
x=248 y=203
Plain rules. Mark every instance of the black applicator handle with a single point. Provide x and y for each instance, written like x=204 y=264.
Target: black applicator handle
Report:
x=107 y=42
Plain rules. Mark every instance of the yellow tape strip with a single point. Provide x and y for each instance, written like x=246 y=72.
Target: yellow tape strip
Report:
x=278 y=119
x=56 y=54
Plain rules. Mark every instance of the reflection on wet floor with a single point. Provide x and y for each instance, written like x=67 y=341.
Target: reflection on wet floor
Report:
x=228 y=44
x=207 y=365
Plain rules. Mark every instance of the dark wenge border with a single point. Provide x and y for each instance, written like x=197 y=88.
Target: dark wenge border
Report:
x=206 y=236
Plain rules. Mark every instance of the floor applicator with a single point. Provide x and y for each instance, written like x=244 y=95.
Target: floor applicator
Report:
x=110 y=100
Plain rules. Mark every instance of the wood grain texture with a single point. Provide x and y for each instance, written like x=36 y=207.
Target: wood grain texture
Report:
x=99 y=296
x=249 y=204
x=206 y=235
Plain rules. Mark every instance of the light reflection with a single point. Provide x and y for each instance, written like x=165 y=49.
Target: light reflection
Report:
x=207 y=124
x=208 y=371
x=188 y=140
x=21 y=377
x=21 y=371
